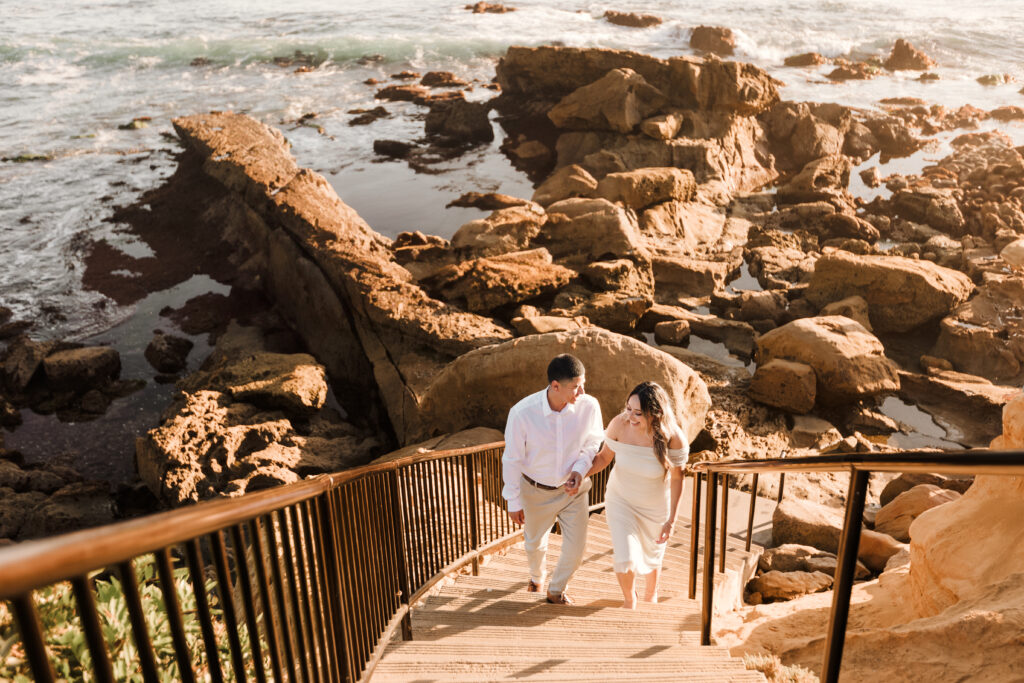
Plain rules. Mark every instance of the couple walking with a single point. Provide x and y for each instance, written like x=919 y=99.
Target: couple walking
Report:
x=553 y=443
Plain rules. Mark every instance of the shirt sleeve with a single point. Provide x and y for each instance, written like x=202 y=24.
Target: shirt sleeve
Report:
x=512 y=461
x=677 y=457
x=594 y=434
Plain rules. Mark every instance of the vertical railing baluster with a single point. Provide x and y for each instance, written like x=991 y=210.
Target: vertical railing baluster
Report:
x=197 y=574
x=307 y=594
x=425 y=522
x=846 y=567
x=694 y=534
x=174 y=619
x=349 y=557
x=289 y=541
x=782 y=486
x=32 y=638
x=269 y=622
x=400 y=552
x=137 y=617
x=248 y=601
x=90 y=618
x=287 y=631
x=413 y=560
x=333 y=650
x=709 y=559
x=227 y=601
x=750 y=515
x=369 y=551
x=723 y=548
x=472 y=503
x=337 y=594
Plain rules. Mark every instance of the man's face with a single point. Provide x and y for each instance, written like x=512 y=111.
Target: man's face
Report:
x=569 y=390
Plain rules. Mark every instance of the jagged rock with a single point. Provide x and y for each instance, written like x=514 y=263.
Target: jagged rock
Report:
x=504 y=231
x=24 y=358
x=81 y=369
x=853 y=307
x=685 y=227
x=75 y=506
x=486 y=283
x=844 y=225
x=619 y=102
x=906 y=56
x=813 y=139
x=824 y=179
x=543 y=324
x=461 y=120
x=622 y=276
x=167 y=352
x=489 y=8
x=613 y=363
x=813 y=432
x=896 y=516
x=12 y=477
x=632 y=19
x=295 y=382
x=675 y=332
x=793 y=557
x=849 y=362
x=592 y=228
x=776 y=585
x=613 y=311
x=909 y=480
x=765 y=305
x=784 y=384
x=934 y=207
x=403 y=93
x=691 y=276
x=565 y=183
x=901 y=293
x=805 y=59
x=641 y=188
x=714 y=39
x=442 y=79
x=662 y=126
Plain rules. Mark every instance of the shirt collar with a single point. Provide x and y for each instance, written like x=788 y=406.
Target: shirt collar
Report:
x=569 y=408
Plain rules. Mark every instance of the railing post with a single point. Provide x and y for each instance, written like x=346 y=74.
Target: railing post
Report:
x=782 y=485
x=750 y=515
x=846 y=565
x=471 y=494
x=725 y=522
x=694 y=534
x=709 y=559
x=400 y=554
x=32 y=638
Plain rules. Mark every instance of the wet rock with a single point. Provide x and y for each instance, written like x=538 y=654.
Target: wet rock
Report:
x=488 y=201
x=613 y=362
x=403 y=93
x=442 y=79
x=484 y=284
x=896 y=517
x=906 y=56
x=12 y=476
x=901 y=293
x=853 y=307
x=592 y=228
x=396 y=149
x=805 y=59
x=565 y=183
x=618 y=102
x=995 y=79
x=848 y=361
x=489 y=8
x=24 y=359
x=1007 y=113
x=971 y=404
x=714 y=39
x=405 y=75
x=813 y=432
x=784 y=384
x=676 y=332
x=81 y=369
x=852 y=71
x=168 y=353
x=460 y=120
x=632 y=19
x=504 y=231
x=641 y=188
x=367 y=116
x=776 y=585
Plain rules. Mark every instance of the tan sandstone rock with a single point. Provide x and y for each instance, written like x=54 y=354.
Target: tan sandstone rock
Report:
x=565 y=183
x=896 y=516
x=853 y=307
x=784 y=384
x=592 y=228
x=619 y=101
x=641 y=188
x=504 y=231
x=777 y=585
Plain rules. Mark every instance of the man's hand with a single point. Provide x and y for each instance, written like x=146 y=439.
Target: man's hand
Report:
x=517 y=516
x=572 y=484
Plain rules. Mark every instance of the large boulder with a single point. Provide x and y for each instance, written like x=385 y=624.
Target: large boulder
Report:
x=168 y=352
x=81 y=369
x=615 y=364
x=901 y=293
x=906 y=56
x=848 y=361
x=793 y=557
x=934 y=207
x=776 y=585
x=460 y=120
x=784 y=384
x=643 y=187
x=682 y=227
x=565 y=183
x=825 y=179
x=504 y=231
x=896 y=516
x=619 y=102
x=714 y=39
x=294 y=383
x=483 y=284
x=24 y=359
x=592 y=228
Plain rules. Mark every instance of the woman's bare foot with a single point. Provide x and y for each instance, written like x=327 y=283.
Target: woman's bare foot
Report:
x=630 y=604
x=651 y=598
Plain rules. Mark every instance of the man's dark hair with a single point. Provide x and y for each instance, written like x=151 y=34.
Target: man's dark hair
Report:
x=565 y=367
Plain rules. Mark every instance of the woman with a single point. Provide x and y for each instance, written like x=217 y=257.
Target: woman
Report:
x=644 y=489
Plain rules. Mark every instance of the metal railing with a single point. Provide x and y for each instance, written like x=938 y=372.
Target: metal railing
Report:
x=860 y=467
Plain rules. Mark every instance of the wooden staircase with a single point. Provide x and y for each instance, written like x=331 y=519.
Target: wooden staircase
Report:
x=488 y=628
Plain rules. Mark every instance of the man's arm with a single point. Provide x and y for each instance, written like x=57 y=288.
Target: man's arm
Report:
x=594 y=435
x=512 y=462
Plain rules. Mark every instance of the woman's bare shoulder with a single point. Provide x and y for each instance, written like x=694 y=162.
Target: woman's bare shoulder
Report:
x=615 y=426
x=677 y=441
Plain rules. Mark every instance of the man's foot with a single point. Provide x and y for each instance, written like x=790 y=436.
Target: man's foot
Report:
x=560 y=599
x=533 y=587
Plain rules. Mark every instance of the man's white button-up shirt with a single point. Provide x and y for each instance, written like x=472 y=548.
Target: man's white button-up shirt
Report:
x=546 y=445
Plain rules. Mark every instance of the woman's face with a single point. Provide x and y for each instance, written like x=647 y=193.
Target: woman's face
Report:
x=634 y=415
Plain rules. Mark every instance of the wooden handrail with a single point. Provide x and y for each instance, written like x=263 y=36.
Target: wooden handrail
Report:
x=974 y=461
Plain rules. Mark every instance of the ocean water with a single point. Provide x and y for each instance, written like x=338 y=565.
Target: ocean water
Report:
x=72 y=72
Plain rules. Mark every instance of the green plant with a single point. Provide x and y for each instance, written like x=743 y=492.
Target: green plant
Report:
x=66 y=642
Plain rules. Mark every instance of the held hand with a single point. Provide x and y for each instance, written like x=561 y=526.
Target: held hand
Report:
x=517 y=517
x=572 y=484
x=666 y=532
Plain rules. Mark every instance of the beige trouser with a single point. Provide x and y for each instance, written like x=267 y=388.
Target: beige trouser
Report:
x=542 y=509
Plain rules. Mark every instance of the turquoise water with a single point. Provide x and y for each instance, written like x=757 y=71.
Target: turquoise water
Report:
x=72 y=72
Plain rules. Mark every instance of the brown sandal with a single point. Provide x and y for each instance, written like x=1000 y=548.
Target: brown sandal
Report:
x=560 y=599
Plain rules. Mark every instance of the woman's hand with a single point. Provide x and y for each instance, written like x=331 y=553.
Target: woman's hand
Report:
x=666 y=532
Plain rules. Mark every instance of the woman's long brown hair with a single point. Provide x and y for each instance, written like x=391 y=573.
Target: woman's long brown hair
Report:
x=657 y=407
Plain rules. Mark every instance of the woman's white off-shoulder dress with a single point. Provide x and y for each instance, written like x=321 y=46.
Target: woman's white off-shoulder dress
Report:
x=637 y=505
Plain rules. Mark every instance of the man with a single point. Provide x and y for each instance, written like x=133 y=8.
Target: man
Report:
x=551 y=438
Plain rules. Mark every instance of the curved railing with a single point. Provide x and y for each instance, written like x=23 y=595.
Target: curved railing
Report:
x=860 y=466
x=302 y=582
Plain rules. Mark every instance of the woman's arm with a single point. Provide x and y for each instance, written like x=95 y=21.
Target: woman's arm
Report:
x=675 y=494
x=605 y=455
